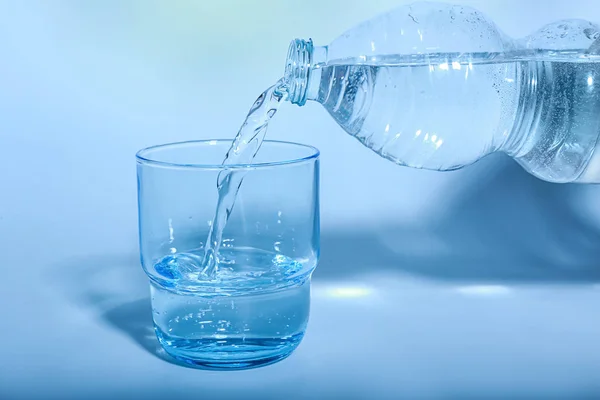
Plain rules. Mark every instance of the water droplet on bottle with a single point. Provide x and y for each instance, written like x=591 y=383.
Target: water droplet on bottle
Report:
x=591 y=33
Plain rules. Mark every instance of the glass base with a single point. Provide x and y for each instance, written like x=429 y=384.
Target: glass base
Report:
x=228 y=353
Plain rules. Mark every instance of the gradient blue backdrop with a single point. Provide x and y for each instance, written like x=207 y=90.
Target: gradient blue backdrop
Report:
x=482 y=283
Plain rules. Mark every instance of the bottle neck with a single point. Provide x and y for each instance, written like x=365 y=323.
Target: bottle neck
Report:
x=303 y=70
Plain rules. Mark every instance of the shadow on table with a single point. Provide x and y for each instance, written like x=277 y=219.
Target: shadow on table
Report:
x=508 y=228
x=116 y=291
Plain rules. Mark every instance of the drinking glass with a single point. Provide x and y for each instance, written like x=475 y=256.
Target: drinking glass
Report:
x=253 y=310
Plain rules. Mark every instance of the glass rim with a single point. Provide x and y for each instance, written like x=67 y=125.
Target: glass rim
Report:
x=143 y=158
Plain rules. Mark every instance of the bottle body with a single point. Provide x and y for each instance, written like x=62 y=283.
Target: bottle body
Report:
x=544 y=114
x=450 y=88
x=558 y=121
x=442 y=119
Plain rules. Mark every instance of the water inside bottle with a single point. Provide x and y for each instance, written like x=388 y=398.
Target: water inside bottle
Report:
x=447 y=110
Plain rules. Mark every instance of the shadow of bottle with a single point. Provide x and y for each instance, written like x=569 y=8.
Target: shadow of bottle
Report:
x=505 y=228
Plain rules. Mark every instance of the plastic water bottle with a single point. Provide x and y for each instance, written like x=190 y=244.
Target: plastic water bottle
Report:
x=437 y=86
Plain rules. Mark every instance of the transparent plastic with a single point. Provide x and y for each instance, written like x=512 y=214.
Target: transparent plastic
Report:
x=439 y=86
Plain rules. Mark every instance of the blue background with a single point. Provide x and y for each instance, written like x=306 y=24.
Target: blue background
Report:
x=481 y=283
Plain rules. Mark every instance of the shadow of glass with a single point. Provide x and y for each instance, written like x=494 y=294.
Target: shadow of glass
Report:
x=510 y=227
x=115 y=290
